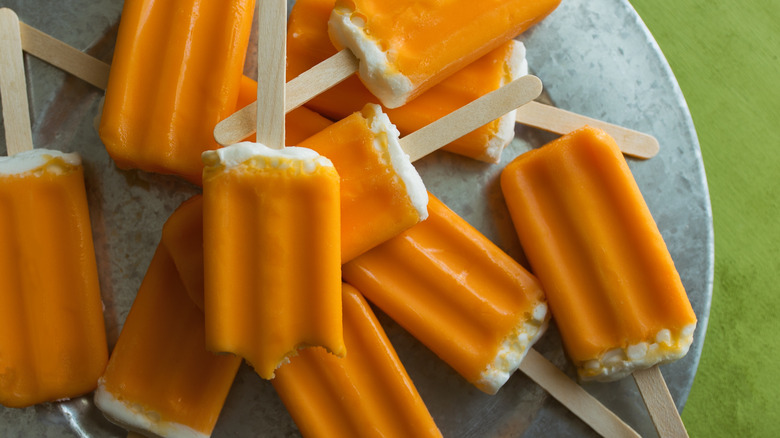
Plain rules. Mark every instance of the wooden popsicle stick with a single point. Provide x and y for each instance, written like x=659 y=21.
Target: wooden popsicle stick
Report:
x=64 y=56
x=659 y=403
x=574 y=397
x=556 y=120
x=300 y=90
x=13 y=85
x=271 y=62
x=471 y=116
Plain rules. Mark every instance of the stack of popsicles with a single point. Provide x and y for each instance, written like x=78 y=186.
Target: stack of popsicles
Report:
x=479 y=315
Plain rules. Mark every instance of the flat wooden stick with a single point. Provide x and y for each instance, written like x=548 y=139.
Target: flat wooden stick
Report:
x=552 y=119
x=64 y=56
x=13 y=86
x=574 y=397
x=471 y=116
x=271 y=60
x=659 y=403
x=300 y=90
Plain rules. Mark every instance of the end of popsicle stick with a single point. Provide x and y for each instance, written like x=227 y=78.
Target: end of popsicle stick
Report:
x=574 y=397
x=299 y=90
x=659 y=403
x=66 y=58
x=551 y=119
x=13 y=85
x=320 y=78
x=240 y=125
x=471 y=116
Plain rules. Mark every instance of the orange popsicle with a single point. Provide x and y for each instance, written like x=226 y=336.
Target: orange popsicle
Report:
x=183 y=231
x=160 y=379
x=381 y=192
x=271 y=239
x=175 y=74
x=367 y=393
x=271 y=231
x=406 y=47
x=52 y=334
x=459 y=294
x=308 y=45
x=590 y=238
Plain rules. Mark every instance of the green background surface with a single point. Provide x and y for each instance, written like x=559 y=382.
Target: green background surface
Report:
x=726 y=57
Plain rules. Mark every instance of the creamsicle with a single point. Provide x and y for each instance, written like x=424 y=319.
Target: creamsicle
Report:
x=308 y=45
x=406 y=47
x=459 y=294
x=590 y=238
x=182 y=233
x=160 y=379
x=52 y=334
x=271 y=238
x=367 y=393
x=381 y=192
x=175 y=74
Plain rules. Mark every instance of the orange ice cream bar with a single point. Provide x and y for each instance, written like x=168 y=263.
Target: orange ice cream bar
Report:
x=183 y=231
x=589 y=237
x=367 y=393
x=406 y=47
x=175 y=74
x=272 y=253
x=308 y=45
x=381 y=192
x=52 y=334
x=460 y=295
x=160 y=379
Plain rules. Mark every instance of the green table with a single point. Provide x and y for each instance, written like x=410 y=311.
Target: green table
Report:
x=726 y=57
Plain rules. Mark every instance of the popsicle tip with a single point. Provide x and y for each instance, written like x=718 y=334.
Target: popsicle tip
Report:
x=9 y=13
x=535 y=82
x=639 y=145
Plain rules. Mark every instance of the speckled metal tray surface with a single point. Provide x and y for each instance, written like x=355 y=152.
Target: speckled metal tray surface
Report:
x=595 y=57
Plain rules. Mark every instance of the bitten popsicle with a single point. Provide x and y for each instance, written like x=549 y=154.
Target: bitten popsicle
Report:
x=590 y=238
x=182 y=233
x=406 y=47
x=308 y=45
x=175 y=74
x=52 y=334
x=458 y=293
x=367 y=393
x=271 y=232
x=160 y=379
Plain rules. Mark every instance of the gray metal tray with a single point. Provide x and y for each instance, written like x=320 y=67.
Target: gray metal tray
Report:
x=595 y=57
